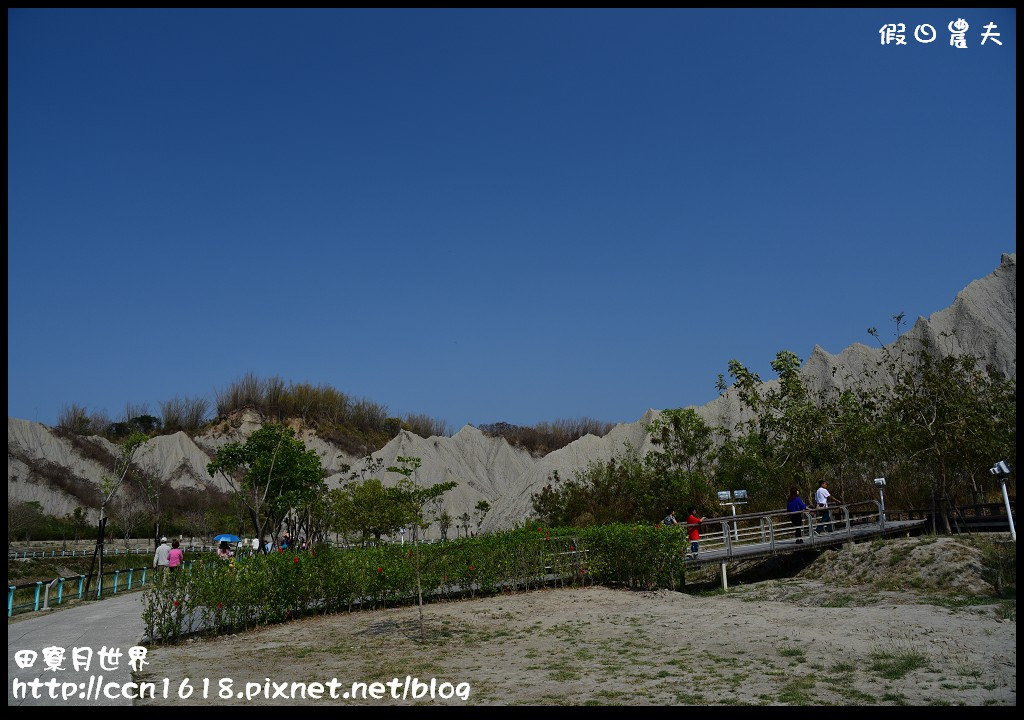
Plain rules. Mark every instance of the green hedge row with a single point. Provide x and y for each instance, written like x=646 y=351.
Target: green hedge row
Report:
x=218 y=595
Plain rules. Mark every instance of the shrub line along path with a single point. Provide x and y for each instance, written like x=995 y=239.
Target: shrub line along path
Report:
x=115 y=622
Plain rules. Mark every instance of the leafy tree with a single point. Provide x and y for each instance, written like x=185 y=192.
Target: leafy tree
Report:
x=619 y=489
x=480 y=511
x=947 y=420
x=683 y=463
x=444 y=523
x=271 y=473
x=413 y=500
x=315 y=518
x=79 y=521
x=366 y=505
x=128 y=510
x=631 y=488
x=22 y=519
x=110 y=485
x=369 y=508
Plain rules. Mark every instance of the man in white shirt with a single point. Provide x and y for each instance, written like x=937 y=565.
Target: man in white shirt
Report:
x=821 y=499
x=160 y=557
x=255 y=546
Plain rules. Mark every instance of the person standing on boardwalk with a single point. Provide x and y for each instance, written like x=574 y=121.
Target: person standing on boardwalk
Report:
x=822 y=498
x=670 y=517
x=693 y=524
x=796 y=506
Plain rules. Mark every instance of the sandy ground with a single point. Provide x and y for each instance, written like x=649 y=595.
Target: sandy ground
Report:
x=793 y=641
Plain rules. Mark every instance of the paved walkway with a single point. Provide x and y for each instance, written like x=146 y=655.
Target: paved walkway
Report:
x=115 y=623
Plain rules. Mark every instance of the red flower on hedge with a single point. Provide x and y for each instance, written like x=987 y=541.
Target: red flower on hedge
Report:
x=470 y=567
x=380 y=569
x=280 y=550
x=583 y=571
x=175 y=603
x=572 y=547
x=295 y=560
x=219 y=606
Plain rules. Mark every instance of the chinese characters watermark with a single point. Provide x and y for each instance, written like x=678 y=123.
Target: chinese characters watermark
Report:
x=925 y=33
x=81 y=658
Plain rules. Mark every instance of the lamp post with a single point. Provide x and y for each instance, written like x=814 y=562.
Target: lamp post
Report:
x=733 y=498
x=1002 y=471
x=880 y=484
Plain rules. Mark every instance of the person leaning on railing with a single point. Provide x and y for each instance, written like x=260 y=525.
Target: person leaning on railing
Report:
x=796 y=506
x=823 y=498
x=693 y=527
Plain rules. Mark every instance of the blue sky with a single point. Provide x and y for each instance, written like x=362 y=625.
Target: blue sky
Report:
x=517 y=215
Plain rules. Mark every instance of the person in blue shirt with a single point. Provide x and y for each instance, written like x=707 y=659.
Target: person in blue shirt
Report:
x=796 y=506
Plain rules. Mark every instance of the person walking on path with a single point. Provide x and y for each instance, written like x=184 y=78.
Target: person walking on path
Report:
x=175 y=557
x=796 y=506
x=693 y=524
x=161 y=555
x=823 y=498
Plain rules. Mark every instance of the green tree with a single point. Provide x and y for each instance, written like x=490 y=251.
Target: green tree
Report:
x=80 y=521
x=621 y=489
x=684 y=460
x=109 y=485
x=271 y=473
x=413 y=501
x=480 y=511
x=947 y=419
x=369 y=508
x=22 y=519
x=788 y=437
x=444 y=523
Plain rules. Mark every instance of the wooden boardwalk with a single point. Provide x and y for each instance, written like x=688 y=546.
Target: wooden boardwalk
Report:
x=757 y=535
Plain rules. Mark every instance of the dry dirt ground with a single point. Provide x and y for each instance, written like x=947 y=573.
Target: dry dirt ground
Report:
x=910 y=633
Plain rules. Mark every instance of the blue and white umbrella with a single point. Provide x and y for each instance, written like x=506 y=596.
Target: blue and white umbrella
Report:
x=226 y=538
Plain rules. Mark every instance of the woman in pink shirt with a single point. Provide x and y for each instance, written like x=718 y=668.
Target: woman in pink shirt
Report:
x=176 y=556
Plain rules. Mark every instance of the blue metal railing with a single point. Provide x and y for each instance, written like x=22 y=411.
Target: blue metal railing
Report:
x=134 y=578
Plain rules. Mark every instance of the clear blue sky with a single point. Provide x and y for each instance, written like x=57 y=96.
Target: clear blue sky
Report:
x=516 y=215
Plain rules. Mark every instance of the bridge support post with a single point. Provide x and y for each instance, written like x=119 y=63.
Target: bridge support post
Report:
x=725 y=578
